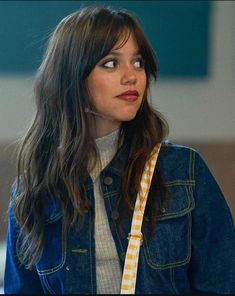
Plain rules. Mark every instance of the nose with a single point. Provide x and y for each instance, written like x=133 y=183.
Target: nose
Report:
x=128 y=75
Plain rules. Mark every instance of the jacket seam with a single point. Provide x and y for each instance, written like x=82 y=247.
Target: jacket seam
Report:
x=172 y=277
x=189 y=182
x=115 y=227
x=182 y=212
x=109 y=194
x=53 y=218
x=47 y=285
x=176 y=215
x=54 y=269
x=58 y=267
x=192 y=164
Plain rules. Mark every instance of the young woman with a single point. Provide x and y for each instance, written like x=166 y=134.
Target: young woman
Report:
x=79 y=171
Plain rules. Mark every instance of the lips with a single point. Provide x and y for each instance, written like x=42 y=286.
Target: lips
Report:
x=130 y=95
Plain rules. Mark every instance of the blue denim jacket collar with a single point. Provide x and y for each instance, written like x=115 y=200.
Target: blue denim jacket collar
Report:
x=52 y=211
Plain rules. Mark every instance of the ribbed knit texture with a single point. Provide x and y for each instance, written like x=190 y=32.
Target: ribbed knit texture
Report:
x=108 y=270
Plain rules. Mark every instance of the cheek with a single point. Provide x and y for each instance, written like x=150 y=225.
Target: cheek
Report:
x=144 y=81
x=100 y=87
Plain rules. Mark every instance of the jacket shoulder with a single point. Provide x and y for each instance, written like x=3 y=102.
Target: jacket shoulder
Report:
x=176 y=149
x=177 y=162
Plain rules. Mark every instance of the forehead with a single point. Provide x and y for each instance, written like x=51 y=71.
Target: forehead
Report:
x=126 y=43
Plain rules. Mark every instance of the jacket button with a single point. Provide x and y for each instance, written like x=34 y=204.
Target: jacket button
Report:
x=163 y=210
x=123 y=256
x=108 y=180
x=115 y=215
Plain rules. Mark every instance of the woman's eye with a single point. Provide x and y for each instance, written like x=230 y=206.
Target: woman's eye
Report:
x=139 y=63
x=110 y=64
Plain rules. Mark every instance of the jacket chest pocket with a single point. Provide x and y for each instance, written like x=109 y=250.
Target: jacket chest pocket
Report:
x=170 y=245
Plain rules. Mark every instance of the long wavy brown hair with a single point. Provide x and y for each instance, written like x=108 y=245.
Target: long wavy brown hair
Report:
x=54 y=154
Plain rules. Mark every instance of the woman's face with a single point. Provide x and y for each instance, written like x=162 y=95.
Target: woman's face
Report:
x=116 y=86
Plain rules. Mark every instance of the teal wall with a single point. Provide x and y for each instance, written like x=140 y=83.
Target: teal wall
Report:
x=178 y=31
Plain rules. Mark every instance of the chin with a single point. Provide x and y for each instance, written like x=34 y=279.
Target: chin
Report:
x=128 y=114
x=129 y=117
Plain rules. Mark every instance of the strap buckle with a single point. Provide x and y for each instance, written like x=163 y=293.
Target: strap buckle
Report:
x=137 y=235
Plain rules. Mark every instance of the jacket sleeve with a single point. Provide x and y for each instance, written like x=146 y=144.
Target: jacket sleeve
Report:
x=17 y=279
x=212 y=268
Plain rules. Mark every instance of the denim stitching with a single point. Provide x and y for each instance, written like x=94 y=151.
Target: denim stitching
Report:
x=180 y=182
x=48 y=287
x=109 y=194
x=190 y=237
x=172 y=276
x=53 y=218
x=190 y=231
x=176 y=215
x=58 y=267
x=115 y=227
x=54 y=269
x=169 y=265
x=81 y=251
x=191 y=164
x=190 y=196
x=190 y=193
x=181 y=212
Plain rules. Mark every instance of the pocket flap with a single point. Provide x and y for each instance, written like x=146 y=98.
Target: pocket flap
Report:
x=52 y=211
x=180 y=199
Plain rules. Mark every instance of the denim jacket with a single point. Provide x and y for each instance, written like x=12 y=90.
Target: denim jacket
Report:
x=192 y=251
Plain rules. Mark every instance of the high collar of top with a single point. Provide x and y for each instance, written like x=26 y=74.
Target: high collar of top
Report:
x=107 y=142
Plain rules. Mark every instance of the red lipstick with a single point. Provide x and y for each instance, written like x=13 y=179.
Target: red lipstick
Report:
x=130 y=95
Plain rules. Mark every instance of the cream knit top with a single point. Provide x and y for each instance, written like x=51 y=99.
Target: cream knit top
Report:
x=108 y=269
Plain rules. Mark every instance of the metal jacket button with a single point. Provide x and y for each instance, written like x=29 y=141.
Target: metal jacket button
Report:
x=108 y=180
x=163 y=210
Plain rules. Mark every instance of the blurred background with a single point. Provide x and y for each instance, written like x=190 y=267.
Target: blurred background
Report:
x=195 y=45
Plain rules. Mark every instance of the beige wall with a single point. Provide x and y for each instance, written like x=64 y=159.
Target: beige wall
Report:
x=203 y=110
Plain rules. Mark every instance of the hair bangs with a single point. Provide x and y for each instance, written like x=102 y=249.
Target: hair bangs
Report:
x=107 y=31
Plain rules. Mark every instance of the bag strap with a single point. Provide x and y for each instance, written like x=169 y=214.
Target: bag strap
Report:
x=135 y=236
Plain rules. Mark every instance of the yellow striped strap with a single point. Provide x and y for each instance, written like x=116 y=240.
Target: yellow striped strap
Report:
x=135 y=236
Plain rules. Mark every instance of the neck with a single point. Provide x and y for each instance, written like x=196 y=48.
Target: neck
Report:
x=104 y=127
